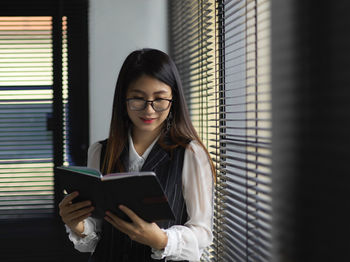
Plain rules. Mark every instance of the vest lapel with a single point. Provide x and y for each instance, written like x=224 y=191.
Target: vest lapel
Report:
x=157 y=156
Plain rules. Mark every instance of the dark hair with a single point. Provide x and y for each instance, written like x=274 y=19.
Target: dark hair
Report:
x=159 y=65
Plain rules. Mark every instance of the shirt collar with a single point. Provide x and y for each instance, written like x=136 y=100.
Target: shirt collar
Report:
x=133 y=155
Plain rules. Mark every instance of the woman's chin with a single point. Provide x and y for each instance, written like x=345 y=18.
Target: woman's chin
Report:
x=147 y=128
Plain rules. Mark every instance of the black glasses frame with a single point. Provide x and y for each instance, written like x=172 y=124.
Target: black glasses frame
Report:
x=150 y=101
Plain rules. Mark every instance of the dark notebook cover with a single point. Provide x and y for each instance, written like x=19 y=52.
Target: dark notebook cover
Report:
x=139 y=191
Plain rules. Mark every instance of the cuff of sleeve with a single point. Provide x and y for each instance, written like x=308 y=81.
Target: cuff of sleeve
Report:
x=81 y=242
x=89 y=227
x=172 y=248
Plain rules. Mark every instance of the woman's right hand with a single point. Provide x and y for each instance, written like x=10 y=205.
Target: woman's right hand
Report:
x=73 y=215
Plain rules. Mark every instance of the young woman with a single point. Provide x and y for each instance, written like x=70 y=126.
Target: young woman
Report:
x=150 y=131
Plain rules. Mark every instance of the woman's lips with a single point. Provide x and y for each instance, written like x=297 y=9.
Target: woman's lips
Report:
x=147 y=120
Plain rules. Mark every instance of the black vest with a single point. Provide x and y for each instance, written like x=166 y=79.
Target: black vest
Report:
x=115 y=246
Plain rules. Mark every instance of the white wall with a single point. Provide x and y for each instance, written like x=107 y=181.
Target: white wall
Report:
x=117 y=27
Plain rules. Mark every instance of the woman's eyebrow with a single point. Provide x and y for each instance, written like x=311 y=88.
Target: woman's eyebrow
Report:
x=155 y=93
x=161 y=92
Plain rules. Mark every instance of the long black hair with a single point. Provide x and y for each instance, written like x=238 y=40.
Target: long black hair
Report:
x=178 y=127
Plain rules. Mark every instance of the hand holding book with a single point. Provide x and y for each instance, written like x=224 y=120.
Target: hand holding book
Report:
x=139 y=230
x=73 y=214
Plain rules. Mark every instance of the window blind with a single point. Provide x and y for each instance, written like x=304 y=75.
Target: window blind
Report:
x=192 y=46
x=222 y=51
x=26 y=168
x=244 y=172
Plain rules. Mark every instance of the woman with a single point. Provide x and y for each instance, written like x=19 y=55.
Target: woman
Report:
x=150 y=131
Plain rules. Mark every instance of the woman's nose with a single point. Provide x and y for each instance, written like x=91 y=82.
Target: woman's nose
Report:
x=149 y=107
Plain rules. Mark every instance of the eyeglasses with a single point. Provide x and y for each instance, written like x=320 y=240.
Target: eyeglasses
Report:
x=139 y=104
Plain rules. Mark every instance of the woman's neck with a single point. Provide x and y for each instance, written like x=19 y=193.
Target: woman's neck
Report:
x=142 y=140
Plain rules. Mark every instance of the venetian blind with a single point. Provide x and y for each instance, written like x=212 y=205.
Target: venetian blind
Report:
x=26 y=78
x=224 y=65
x=193 y=48
x=244 y=177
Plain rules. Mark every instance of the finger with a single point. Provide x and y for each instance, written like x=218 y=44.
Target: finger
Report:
x=77 y=214
x=81 y=218
x=73 y=223
x=120 y=223
x=114 y=217
x=68 y=198
x=116 y=224
x=79 y=205
x=110 y=220
x=82 y=212
x=135 y=218
x=66 y=210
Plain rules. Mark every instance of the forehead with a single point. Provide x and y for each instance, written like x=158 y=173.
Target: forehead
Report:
x=148 y=85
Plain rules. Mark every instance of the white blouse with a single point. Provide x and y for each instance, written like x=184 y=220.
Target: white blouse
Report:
x=185 y=242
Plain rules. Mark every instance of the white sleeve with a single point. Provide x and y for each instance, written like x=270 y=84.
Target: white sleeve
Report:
x=89 y=242
x=188 y=242
x=92 y=226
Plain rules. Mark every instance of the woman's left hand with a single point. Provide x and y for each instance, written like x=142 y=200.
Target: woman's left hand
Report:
x=139 y=230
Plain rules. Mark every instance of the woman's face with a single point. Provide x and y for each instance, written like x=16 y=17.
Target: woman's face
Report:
x=148 y=88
